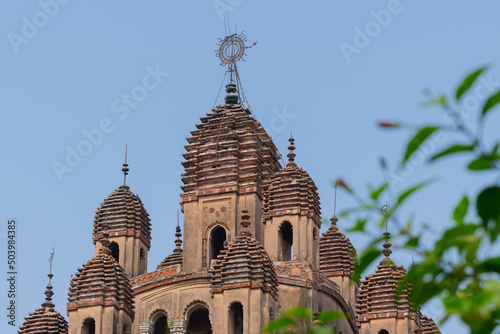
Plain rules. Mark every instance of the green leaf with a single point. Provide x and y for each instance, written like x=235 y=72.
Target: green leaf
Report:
x=359 y=227
x=417 y=140
x=489 y=265
x=491 y=102
x=468 y=82
x=440 y=101
x=488 y=204
x=367 y=257
x=375 y=193
x=457 y=148
x=459 y=236
x=410 y=191
x=481 y=163
x=412 y=242
x=327 y=316
x=278 y=324
x=461 y=210
x=298 y=312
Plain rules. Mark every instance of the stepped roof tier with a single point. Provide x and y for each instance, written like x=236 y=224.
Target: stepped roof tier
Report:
x=176 y=257
x=337 y=256
x=125 y=214
x=291 y=191
x=377 y=294
x=101 y=281
x=244 y=263
x=228 y=149
x=45 y=319
x=428 y=325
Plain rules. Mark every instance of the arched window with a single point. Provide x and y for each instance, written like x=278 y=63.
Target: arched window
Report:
x=198 y=320
x=142 y=254
x=115 y=251
x=285 y=242
x=383 y=331
x=161 y=324
x=88 y=326
x=217 y=238
x=126 y=329
x=236 y=318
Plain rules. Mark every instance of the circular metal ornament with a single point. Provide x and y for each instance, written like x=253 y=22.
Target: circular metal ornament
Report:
x=232 y=49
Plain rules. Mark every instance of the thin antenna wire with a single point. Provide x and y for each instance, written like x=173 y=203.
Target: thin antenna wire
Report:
x=220 y=88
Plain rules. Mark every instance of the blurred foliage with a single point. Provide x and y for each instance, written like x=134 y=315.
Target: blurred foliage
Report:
x=299 y=320
x=460 y=265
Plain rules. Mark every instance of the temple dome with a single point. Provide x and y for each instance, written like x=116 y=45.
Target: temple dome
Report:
x=125 y=214
x=101 y=281
x=291 y=191
x=176 y=257
x=45 y=319
x=229 y=148
x=337 y=256
x=377 y=293
x=428 y=326
x=244 y=263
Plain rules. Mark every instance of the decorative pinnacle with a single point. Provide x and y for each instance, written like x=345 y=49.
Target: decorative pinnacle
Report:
x=178 y=235
x=291 y=155
x=334 y=219
x=386 y=211
x=231 y=96
x=125 y=168
x=49 y=293
x=245 y=222
x=104 y=239
x=47 y=304
x=387 y=245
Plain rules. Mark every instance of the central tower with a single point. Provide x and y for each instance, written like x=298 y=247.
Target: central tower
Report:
x=228 y=158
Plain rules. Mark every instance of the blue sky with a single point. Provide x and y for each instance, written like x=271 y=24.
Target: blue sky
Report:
x=326 y=70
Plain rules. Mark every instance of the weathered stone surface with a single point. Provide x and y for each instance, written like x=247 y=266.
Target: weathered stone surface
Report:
x=46 y=319
x=101 y=281
x=244 y=263
x=229 y=147
x=125 y=214
x=337 y=256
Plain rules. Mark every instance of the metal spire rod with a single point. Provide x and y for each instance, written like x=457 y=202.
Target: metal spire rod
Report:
x=50 y=260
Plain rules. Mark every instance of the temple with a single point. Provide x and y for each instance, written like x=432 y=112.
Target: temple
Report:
x=251 y=248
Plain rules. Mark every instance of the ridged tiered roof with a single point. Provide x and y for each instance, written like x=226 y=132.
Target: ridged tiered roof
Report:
x=428 y=325
x=337 y=256
x=101 y=281
x=46 y=319
x=244 y=263
x=228 y=148
x=377 y=294
x=176 y=257
x=291 y=191
x=124 y=213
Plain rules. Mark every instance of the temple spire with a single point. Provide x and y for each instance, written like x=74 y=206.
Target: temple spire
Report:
x=178 y=235
x=245 y=222
x=105 y=239
x=49 y=293
x=291 y=154
x=334 y=219
x=386 y=211
x=125 y=168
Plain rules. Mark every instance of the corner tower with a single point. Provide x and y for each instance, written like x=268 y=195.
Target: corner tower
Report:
x=292 y=214
x=129 y=228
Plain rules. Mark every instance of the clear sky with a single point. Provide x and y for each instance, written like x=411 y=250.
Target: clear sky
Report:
x=326 y=70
